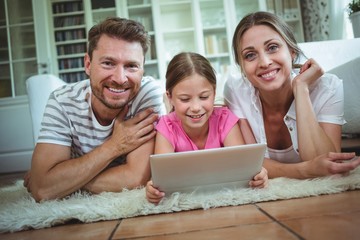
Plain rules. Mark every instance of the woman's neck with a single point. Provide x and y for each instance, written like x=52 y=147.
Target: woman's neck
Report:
x=279 y=100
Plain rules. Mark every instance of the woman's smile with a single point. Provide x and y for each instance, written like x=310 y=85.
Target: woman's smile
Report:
x=270 y=75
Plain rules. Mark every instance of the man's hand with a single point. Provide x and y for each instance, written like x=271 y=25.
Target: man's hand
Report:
x=132 y=133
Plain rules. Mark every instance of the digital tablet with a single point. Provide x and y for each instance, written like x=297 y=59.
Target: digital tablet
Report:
x=207 y=170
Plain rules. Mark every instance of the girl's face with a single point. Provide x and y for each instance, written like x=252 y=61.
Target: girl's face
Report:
x=193 y=101
x=265 y=58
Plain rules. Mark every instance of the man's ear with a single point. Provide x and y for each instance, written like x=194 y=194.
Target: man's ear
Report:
x=87 y=63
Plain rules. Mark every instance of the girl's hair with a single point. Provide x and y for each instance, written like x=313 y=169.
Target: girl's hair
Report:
x=119 y=28
x=186 y=64
x=268 y=19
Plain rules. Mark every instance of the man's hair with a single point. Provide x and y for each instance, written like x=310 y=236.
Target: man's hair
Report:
x=119 y=28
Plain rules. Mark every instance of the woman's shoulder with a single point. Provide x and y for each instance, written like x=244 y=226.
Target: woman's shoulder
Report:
x=236 y=79
x=329 y=81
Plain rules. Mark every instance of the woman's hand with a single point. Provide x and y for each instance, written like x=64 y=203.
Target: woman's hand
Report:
x=261 y=180
x=153 y=195
x=309 y=73
x=330 y=164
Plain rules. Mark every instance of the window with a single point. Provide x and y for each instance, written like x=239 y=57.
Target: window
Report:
x=17 y=46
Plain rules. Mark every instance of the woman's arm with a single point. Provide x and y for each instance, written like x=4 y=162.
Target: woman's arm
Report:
x=314 y=138
x=323 y=165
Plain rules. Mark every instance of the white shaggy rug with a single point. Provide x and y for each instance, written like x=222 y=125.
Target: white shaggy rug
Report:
x=19 y=211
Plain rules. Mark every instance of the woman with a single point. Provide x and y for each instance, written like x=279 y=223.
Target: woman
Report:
x=298 y=113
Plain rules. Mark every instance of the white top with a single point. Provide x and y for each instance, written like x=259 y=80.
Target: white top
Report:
x=326 y=95
x=69 y=120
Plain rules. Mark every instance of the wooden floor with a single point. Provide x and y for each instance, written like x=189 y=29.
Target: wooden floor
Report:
x=335 y=216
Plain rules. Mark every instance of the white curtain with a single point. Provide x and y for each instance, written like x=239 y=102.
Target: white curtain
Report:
x=325 y=20
x=340 y=25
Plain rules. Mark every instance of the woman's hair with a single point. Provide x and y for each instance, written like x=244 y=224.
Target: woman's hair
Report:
x=119 y=28
x=186 y=64
x=268 y=19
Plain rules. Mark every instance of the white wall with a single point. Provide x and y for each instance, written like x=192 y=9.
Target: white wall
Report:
x=16 y=135
x=331 y=54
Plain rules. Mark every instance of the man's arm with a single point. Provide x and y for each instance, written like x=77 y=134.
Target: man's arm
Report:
x=54 y=175
x=135 y=173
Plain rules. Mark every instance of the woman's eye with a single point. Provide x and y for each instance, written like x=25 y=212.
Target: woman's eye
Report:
x=249 y=56
x=184 y=99
x=204 y=97
x=273 y=48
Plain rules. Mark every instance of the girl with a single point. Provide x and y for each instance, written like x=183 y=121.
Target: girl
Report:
x=194 y=123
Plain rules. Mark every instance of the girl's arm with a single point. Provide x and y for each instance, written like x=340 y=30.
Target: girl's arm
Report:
x=162 y=145
x=153 y=195
x=234 y=137
x=314 y=138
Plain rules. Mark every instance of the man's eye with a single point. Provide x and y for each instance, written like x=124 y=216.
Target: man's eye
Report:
x=107 y=64
x=133 y=67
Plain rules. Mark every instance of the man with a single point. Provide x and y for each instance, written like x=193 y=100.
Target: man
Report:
x=97 y=134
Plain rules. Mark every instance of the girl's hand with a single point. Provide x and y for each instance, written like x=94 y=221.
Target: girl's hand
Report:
x=310 y=71
x=153 y=195
x=261 y=180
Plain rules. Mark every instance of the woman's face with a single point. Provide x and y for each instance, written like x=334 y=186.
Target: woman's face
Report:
x=193 y=101
x=265 y=58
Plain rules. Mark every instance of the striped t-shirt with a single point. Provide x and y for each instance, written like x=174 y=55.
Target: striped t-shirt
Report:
x=69 y=120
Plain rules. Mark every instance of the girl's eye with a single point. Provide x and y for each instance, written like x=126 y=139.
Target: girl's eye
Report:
x=204 y=97
x=184 y=99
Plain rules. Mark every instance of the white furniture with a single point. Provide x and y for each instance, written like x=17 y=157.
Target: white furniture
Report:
x=342 y=58
x=39 y=88
x=203 y=26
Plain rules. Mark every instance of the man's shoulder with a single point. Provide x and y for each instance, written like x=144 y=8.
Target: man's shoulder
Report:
x=148 y=81
x=150 y=95
x=151 y=87
x=73 y=90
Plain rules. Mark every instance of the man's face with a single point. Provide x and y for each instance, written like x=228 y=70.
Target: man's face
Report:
x=115 y=71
